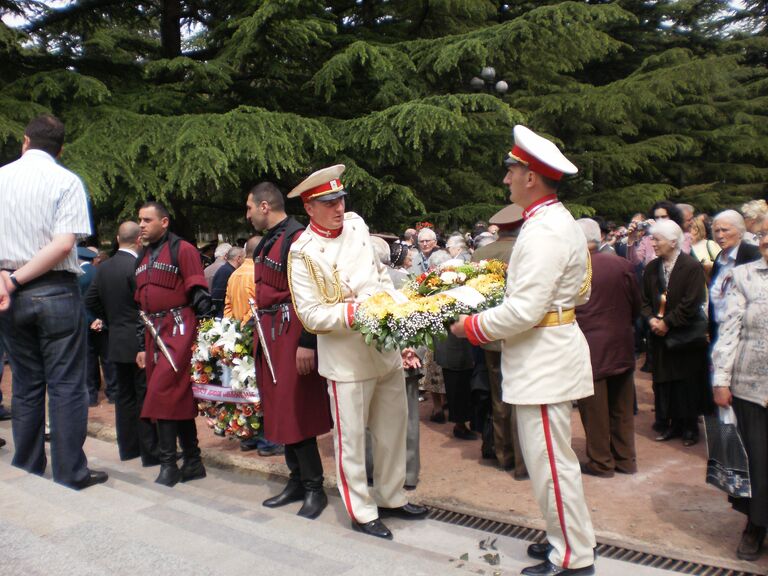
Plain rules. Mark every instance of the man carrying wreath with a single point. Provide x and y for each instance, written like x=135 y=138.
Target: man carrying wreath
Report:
x=544 y=355
x=332 y=267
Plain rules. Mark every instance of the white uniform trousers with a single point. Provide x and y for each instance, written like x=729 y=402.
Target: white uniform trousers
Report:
x=380 y=405
x=545 y=437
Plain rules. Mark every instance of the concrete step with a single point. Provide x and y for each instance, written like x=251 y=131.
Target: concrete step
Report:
x=132 y=525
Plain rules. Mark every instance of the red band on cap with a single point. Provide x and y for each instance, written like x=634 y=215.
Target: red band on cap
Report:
x=326 y=188
x=535 y=164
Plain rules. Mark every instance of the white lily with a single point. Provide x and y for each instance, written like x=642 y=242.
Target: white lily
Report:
x=243 y=373
x=228 y=336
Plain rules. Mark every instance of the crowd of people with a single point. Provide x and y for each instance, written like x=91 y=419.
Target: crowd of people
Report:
x=585 y=298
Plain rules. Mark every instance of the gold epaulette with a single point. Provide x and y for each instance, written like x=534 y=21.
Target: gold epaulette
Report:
x=317 y=276
x=587 y=284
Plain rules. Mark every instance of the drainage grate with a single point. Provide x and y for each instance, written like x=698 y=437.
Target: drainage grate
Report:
x=604 y=550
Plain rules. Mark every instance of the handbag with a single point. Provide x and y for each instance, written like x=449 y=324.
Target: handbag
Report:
x=688 y=336
x=727 y=460
x=691 y=335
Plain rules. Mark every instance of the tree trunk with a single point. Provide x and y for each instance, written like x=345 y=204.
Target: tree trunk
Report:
x=170 y=28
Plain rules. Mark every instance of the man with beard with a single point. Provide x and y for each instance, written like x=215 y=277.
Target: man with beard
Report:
x=295 y=404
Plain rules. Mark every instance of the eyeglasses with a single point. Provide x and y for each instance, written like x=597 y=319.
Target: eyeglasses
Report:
x=760 y=235
x=426 y=241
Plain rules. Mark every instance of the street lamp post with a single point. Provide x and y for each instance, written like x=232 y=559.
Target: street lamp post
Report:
x=486 y=80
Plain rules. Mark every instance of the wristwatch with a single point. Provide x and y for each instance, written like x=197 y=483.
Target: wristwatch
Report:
x=14 y=281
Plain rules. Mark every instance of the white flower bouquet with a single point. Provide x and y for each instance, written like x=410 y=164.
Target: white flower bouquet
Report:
x=420 y=313
x=223 y=374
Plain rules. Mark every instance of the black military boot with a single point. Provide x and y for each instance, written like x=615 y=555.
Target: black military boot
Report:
x=315 y=499
x=166 y=448
x=193 y=468
x=294 y=490
x=311 y=466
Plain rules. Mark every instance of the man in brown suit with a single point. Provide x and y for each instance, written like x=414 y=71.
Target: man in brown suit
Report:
x=506 y=444
x=607 y=320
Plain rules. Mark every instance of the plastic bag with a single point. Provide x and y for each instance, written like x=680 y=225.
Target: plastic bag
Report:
x=727 y=463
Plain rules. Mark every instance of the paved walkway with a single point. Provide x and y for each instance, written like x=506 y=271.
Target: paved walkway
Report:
x=130 y=525
x=665 y=509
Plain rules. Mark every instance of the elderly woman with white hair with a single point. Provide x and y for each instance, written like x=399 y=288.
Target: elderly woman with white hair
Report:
x=728 y=228
x=754 y=212
x=739 y=379
x=674 y=293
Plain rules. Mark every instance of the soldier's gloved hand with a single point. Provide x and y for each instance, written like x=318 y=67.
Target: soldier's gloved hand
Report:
x=201 y=303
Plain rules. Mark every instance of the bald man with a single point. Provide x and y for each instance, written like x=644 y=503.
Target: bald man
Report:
x=110 y=299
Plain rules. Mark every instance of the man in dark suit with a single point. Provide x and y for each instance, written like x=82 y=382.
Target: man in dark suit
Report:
x=110 y=298
x=607 y=321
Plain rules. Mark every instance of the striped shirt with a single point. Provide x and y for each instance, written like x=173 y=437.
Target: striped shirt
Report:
x=38 y=199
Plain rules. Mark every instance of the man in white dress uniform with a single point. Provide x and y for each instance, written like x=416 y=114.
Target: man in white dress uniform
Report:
x=332 y=267
x=544 y=355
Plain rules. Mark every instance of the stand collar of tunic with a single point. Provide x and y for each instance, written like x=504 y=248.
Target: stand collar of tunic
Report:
x=325 y=232
x=538 y=204
x=155 y=248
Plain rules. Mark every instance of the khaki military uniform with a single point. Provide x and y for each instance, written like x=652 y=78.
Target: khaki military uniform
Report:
x=328 y=277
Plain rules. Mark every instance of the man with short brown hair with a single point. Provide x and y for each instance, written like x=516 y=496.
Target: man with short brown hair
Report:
x=45 y=212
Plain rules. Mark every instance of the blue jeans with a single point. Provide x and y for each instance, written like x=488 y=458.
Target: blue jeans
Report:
x=44 y=334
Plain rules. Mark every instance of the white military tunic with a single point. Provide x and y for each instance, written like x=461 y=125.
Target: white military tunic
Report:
x=545 y=368
x=367 y=387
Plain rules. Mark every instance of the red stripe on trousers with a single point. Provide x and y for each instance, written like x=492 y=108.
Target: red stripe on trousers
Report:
x=558 y=496
x=344 y=485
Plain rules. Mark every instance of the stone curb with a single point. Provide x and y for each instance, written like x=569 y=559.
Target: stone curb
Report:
x=279 y=471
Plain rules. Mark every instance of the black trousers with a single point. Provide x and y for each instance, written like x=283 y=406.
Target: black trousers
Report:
x=752 y=420
x=459 y=394
x=135 y=436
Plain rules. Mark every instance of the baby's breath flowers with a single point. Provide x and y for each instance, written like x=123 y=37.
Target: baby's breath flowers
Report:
x=430 y=308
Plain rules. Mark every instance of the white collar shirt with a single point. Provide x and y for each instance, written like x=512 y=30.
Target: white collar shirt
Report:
x=40 y=199
x=129 y=251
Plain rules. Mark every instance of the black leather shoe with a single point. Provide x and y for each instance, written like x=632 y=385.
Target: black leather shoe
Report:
x=293 y=492
x=2 y=442
x=438 y=418
x=590 y=471
x=193 y=470
x=540 y=550
x=464 y=434
x=408 y=512
x=751 y=542
x=94 y=477
x=5 y=414
x=668 y=434
x=690 y=438
x=315 y=502
x=373 y=528
x=169 y=475
x=546 y=568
